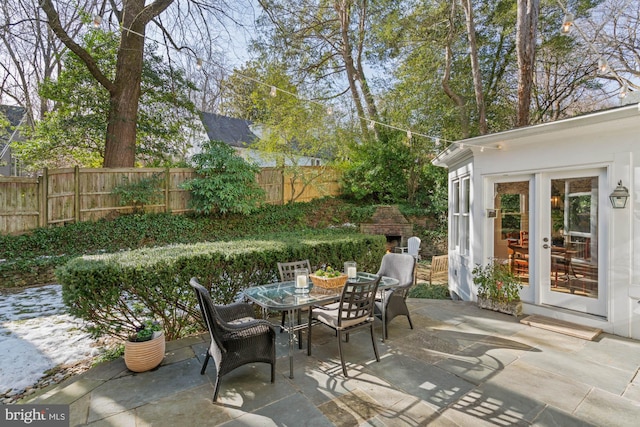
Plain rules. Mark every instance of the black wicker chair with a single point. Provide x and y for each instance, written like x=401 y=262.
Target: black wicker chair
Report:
x=353 y=311
x=403 y=268
x=236 y=337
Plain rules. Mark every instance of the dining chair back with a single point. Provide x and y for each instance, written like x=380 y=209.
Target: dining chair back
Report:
x=287 y=272
x=353 y=311
x=413 y=247
x=237 y=338
x=287 y=269
x=403 y=268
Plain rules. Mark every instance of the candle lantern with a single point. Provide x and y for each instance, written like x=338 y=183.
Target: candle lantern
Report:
x=350 y=269
x=302 y=280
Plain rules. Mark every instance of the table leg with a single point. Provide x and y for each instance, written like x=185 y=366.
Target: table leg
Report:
x=291 y=332
x=384 y=315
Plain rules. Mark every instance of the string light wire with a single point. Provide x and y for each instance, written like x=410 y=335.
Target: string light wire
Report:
x=603 y=65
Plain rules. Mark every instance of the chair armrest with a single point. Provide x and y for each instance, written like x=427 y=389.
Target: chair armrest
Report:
x=235 y=311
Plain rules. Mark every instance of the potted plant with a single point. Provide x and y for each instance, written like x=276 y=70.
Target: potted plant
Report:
x=144 y=349
x=498 y=287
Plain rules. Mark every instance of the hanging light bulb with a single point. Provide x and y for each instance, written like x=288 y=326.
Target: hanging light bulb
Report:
x=567 y=23
x=603 y=66
x=97 y=21
x=274 y=91
x=371 y=124
x=329 y=110
x=199 y=64
x=409 y=134
x=437 y=143
x=623 y=90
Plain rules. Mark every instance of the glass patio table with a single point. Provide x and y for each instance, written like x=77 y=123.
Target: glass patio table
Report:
x=284 y=296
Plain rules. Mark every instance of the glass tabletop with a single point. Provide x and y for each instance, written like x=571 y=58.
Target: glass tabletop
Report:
x=285 y=296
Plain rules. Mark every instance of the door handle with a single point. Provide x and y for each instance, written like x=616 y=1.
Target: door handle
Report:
x=545 y=246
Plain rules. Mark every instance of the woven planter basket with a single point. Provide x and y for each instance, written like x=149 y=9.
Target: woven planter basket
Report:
x=333 y=283
x=146 y=355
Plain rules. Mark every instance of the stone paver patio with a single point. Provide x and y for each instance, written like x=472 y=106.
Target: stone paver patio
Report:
x=460 y=366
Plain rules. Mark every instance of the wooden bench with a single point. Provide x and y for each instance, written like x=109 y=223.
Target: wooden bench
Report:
x=439 y=268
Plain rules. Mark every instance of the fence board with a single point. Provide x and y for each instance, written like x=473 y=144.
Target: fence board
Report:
x=80 y=194
x=19 y=201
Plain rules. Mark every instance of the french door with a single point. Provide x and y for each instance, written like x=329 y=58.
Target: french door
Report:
x=571 y=228
x=511 y=228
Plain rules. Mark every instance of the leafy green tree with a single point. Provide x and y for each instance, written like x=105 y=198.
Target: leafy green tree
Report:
x=73 y=133
x=226 y=183
x=293 y=132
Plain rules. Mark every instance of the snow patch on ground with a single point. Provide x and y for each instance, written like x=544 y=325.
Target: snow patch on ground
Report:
x=36 y=335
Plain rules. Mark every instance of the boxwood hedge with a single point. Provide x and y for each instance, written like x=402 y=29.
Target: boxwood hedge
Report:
x=116 y=292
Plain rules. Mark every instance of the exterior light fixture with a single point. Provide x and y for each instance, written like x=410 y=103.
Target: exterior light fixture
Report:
x=567 y=23
x=97 y=21
x=619 y=196
x=273 y=91
x=199 y=64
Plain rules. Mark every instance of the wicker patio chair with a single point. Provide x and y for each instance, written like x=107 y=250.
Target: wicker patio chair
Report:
x=353 y=311
x=236 y=337
x=403 y=268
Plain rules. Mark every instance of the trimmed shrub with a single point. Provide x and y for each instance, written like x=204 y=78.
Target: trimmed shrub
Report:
x=104 y=289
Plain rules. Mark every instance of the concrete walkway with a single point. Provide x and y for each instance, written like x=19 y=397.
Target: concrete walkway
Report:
x=460 y=366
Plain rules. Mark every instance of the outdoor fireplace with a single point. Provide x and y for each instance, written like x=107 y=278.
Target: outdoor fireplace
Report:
x=389 y=222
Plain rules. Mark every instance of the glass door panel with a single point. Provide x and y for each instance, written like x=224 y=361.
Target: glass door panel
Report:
x=572 y=268
x=511 y=227
x=574 y=236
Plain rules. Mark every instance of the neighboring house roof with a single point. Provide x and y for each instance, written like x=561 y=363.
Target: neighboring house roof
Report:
x=15 y=116
x=13 y=113
x=235 y=132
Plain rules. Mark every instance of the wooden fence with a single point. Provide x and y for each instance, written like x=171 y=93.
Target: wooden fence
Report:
x=77 y=194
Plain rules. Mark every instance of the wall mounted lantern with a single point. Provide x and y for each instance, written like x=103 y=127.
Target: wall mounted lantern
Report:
x=619 y=196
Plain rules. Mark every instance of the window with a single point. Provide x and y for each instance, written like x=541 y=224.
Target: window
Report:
x=460 y=209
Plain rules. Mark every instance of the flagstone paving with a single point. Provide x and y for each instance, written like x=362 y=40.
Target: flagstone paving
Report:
x=460 y=366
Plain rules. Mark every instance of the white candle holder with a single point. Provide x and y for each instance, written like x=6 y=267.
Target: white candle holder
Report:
x=301 y=280
x=351 y=270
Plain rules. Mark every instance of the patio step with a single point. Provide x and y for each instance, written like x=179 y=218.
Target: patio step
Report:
x=561 y=326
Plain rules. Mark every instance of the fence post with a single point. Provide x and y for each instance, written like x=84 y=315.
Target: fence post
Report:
x=167 y=182
x=76 y=191
x=44 y=197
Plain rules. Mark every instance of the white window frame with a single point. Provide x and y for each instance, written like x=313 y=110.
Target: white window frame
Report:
x=460 y=214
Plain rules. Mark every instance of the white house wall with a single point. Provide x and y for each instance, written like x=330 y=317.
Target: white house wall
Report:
x=608 y=140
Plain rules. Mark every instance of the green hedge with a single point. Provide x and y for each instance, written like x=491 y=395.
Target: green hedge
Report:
x=108 y=290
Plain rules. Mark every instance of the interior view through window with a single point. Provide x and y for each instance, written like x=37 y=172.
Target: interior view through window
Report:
x=511 y=229
x=574 y=235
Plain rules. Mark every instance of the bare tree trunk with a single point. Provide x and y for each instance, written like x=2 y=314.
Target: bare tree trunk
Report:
x=343 y=9
x=457 y=99
x=120 y=148
x=475 y=67
x=526 y=34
